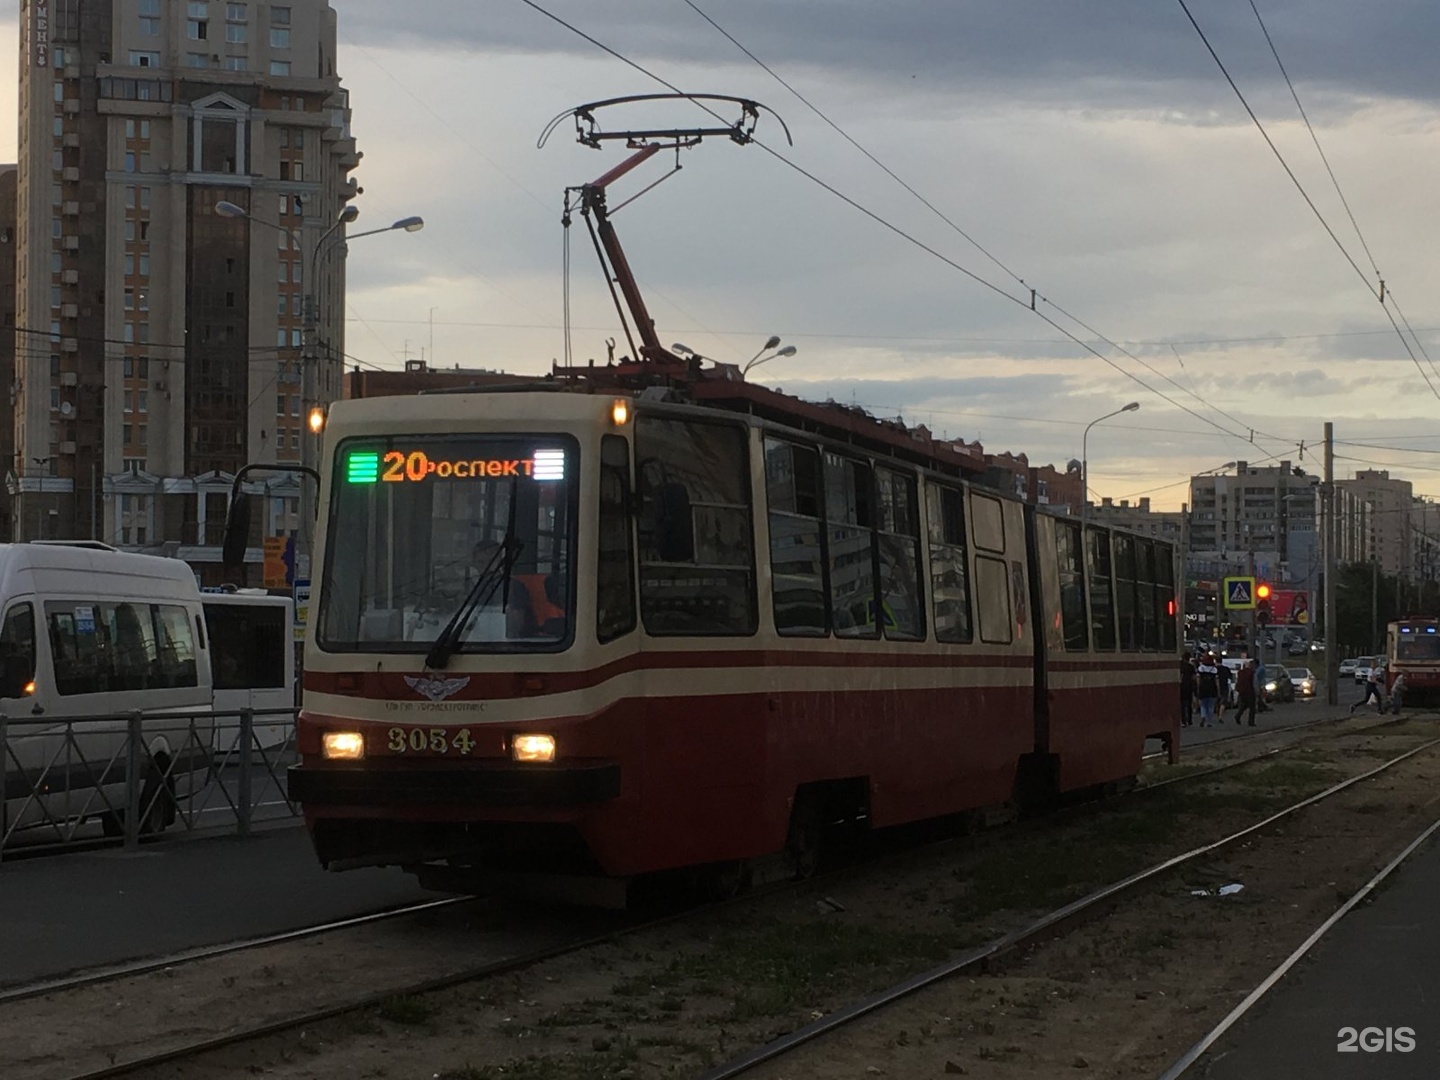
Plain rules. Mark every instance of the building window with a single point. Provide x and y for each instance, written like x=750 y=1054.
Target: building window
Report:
x=236 y=63
x=235 y=12
x=236 y=33
x=129 y=161
x=149 y=27
x=143 y=59
x=197 y=30
x=279 y=16
x=197 y=60
x=279 y=67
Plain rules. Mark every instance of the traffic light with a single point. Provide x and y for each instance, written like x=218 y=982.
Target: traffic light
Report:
x=1262 y=604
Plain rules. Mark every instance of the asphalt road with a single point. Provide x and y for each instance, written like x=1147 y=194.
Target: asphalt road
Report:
x=86 y=910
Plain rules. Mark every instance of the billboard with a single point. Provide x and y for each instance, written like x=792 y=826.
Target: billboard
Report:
x=1289 y=607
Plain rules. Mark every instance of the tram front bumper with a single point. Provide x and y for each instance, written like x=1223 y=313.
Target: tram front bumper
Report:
x=498 y=784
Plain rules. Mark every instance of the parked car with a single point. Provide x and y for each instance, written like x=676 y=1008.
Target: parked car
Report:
x=1303 y=681
x=1297 y=648
x=1348 y=665
x=1278 y=686
x=1364 y=665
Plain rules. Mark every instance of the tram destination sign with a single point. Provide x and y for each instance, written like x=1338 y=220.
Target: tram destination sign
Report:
x=416 y=466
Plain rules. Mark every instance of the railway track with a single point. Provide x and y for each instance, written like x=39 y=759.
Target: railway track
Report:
x=1047 y=926
x=309 y=1017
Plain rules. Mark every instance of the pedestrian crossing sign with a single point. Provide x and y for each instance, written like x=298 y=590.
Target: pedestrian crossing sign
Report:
x=1240 y=593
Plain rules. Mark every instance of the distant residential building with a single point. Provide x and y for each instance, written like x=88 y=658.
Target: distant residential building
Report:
x=9 y=175
x=162 y=342
x=1262 y=518
x=1390 y=503
x=1166 y=525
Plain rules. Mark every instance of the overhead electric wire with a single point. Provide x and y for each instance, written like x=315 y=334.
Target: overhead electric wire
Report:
x=1035 y=294
x=853 y=204
x=1359 y=233
x=1378 y=294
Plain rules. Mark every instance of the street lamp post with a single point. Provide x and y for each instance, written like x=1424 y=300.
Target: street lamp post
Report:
x=1085 y=459
x=309 y=354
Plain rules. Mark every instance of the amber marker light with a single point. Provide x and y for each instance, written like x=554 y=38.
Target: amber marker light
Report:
x=30 y=687
x=317 y=420
x=620 y=412
x=539 y=748
x=343 y=745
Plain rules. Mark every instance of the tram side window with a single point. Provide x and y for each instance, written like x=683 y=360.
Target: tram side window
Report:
x=849 y=514
x=102 y=647
x=1165 y=595
x=1127 y=616
x=992 y=592
x=615 y=581
x=949 y=575
x=1102 y=607
x=797 y=566
x=1072 y=586
x=1146 y=595
x=17 y=650
x=696 y=562
x=902 y=605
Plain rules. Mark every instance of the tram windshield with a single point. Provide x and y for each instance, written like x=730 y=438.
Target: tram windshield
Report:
x=1417 y=643
x=415 y=521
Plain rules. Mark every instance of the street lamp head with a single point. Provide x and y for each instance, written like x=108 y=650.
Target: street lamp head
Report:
x=231 y=210
x=410 y=224
x=1131 y=407
x=774 y=342
x=682 y=348
x=788 y=350
x=349 y=213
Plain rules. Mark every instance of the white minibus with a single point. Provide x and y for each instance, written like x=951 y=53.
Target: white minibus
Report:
x=88 y=632
x=252 y=647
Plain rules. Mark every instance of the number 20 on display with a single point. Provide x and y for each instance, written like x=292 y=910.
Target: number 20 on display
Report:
x=1373 y=1040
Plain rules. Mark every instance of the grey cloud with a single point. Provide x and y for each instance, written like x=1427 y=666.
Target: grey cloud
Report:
x=1120 y=50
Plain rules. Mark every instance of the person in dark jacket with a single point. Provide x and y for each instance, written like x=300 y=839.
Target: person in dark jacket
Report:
x=1187 y=691
x=1207 y=689
x=1224 y=674
x=1245 y=692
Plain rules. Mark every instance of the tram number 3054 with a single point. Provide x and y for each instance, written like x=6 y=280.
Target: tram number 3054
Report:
x=429 y=741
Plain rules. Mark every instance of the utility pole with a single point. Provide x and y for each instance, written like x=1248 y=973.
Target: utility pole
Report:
x=1329 y=536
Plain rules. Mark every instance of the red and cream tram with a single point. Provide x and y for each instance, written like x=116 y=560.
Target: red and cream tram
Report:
x=607 y=634
x=1412 y=648
x=650 y=616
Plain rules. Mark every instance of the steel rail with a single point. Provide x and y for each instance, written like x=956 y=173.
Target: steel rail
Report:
x=1268 y=983
x=978 y=958
x=209 y=952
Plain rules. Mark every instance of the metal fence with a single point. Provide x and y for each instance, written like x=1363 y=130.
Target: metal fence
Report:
x=124 y=776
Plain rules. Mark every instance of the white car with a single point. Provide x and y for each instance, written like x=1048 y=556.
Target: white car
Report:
x=1364 y=665
x=1303 y=680
x=1347 y=666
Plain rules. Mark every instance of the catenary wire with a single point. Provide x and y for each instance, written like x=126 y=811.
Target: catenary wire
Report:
x=891 y=227
x=1376 y=293
x=1036 y=295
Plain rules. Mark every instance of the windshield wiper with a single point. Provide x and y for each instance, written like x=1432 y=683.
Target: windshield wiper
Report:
x=495 y=575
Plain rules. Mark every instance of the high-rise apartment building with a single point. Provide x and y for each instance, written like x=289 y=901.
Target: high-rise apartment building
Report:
x=1261 y=520
x=161 y=345
x=1391 y=503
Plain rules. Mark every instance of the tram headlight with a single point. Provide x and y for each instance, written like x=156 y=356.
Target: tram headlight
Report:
x=534 y=748
x=342 y=746
x=620 y=412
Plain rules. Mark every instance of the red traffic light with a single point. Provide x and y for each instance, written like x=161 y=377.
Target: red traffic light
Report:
x=1262 y=591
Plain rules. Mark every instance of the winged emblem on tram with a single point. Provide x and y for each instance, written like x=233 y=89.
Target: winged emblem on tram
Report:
x=436 y=689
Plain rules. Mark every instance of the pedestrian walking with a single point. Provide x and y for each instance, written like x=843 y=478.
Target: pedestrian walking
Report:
x=1372 y=690
x=1260 y=681
x=1245 y=693
x=1187 y=691
x=1207 y=688
x=1225 y=676
x=1397 y=692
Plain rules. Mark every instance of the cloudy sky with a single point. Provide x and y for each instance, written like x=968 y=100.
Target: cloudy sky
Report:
x=1093 y=152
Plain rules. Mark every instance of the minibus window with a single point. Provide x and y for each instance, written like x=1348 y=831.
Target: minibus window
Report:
x=17 y=651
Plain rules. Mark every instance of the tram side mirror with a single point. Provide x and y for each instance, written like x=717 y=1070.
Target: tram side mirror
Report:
x=237 y=530
x=15 y=676
x=674 y=524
